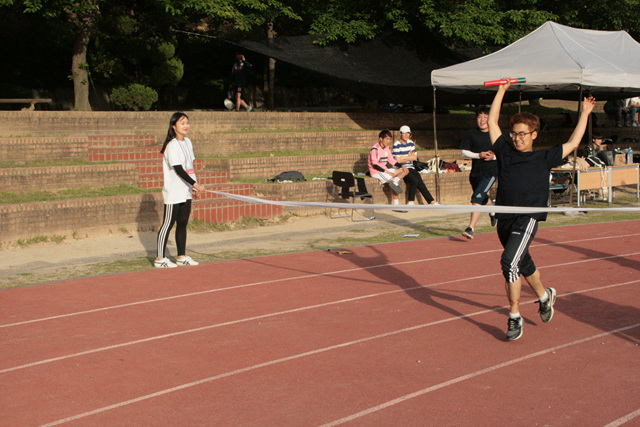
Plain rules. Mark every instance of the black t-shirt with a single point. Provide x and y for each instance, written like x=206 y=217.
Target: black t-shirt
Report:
x=523 y=178
x=477 y=141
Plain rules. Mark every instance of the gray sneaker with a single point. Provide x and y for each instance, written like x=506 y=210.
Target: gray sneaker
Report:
x=546 y=308
x=468 y=233
x=514 y=330
x=394 y=187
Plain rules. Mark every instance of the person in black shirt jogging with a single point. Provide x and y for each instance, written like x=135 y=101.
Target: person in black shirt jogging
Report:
x=476 y=145
x=239 y=80
x=523 y=180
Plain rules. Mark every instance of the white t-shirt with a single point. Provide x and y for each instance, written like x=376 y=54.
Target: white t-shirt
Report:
x=177 y=152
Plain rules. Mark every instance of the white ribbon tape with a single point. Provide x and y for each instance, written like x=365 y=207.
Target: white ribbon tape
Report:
x=444 y=208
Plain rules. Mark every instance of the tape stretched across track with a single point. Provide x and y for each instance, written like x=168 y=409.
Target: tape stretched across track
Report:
x=443 y=208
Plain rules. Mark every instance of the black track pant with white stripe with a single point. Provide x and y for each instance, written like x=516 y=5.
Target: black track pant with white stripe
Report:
x=516 y=235
x=174 y=214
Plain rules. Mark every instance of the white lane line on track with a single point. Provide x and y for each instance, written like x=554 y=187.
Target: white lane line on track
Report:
x=234 y=322
x=472 y=375
x=308 y=276
x=623 y=420
x=299 y=309
x=323 y=350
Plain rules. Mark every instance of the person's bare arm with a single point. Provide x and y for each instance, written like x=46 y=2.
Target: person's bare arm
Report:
x=576 y=137
x=494 y=112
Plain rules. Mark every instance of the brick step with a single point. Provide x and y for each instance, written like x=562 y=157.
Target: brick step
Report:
x=121 y=141
x=221 y=210
x=239 y=189
x=133 y=212
x=268 y=167
x=155 y=165
x=155 y=180
x=53 y=178
x=124 y=154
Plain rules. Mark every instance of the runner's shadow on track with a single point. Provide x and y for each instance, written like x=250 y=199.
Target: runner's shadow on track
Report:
x=416 y=290
x=595 y=254
x=604 y=315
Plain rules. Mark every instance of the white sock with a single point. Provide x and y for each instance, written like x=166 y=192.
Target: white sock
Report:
x=396 y=180
x=514 y=315
x=545 y=297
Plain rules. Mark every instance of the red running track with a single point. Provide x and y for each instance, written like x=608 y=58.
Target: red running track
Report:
x=407 y=334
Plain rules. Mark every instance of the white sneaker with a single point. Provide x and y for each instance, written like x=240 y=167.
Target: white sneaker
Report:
x=410 y=203
x=186 y=261
x=164 y=263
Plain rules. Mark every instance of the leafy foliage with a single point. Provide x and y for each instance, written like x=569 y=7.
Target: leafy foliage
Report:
x=134 y=97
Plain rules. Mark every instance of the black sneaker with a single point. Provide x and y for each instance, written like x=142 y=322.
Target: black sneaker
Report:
x=514 y=330
x=546 y=308
x=494 y=220
x=394 y=187
x=468 y=233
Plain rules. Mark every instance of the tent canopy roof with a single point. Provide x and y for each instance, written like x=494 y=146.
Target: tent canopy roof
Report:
x=556 y=61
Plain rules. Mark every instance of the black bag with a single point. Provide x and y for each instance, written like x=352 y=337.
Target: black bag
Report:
x=418 y=165
x=595 y=161
x=293 y=176
x=607 y=157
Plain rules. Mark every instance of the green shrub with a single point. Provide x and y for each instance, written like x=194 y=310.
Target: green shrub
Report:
x=134 y=97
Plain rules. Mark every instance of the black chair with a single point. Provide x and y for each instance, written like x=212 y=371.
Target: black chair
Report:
x=345 y=187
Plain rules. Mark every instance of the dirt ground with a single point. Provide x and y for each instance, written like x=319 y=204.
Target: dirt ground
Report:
x=119 y=251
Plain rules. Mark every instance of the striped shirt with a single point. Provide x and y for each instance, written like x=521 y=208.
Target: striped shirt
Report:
x=400 y=149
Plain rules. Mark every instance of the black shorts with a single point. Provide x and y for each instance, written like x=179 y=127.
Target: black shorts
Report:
x=481 y=186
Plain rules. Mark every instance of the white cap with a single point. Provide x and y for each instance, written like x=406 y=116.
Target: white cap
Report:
x=405 y=129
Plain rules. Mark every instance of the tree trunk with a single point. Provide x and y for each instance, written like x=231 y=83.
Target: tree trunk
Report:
x=271 y=74
x=79 y=66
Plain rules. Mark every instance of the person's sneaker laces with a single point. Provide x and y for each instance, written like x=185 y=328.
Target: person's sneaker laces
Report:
x=468 y=233
x=494 y=220
x=395 y=187
x=186 y=261
x=514 y=330
x=546 y=308
x=164 y=263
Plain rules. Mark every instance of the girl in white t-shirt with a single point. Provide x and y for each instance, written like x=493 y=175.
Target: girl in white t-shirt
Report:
x=180 y=186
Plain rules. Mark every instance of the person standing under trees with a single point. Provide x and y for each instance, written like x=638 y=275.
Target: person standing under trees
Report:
x=523 y=180
x=239 y=80
x=178 y=190
x=476 y=145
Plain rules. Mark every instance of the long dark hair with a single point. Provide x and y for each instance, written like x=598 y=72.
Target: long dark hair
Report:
x=171 y=133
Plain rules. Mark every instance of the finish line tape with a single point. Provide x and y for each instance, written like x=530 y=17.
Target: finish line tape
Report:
x=443 y=208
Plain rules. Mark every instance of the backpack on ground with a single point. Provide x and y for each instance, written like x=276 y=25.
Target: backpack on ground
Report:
x=288 y=176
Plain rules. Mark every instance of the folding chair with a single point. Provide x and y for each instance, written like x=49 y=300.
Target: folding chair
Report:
x=345 y=187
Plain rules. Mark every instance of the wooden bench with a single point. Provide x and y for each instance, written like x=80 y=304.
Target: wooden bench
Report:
x=31 y=101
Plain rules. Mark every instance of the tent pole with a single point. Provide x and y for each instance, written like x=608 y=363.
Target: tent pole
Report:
x=435 y=145
x=519 y=101
x=575 y=151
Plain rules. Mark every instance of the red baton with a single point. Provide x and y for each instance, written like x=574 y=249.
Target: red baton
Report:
x=504 y=81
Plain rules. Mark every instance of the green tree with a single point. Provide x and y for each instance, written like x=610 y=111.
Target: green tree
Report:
x=82 y=15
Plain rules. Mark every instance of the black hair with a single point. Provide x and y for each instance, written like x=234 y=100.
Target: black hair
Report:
x=385 y=133
x=483 y=109
x=171 y=133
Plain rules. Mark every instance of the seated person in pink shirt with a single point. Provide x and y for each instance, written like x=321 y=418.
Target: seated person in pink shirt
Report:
x=379 y=157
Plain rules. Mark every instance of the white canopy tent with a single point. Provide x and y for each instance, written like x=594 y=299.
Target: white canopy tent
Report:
x=557 y=62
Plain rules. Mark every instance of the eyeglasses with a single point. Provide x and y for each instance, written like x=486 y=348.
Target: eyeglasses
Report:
x=520 y=135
